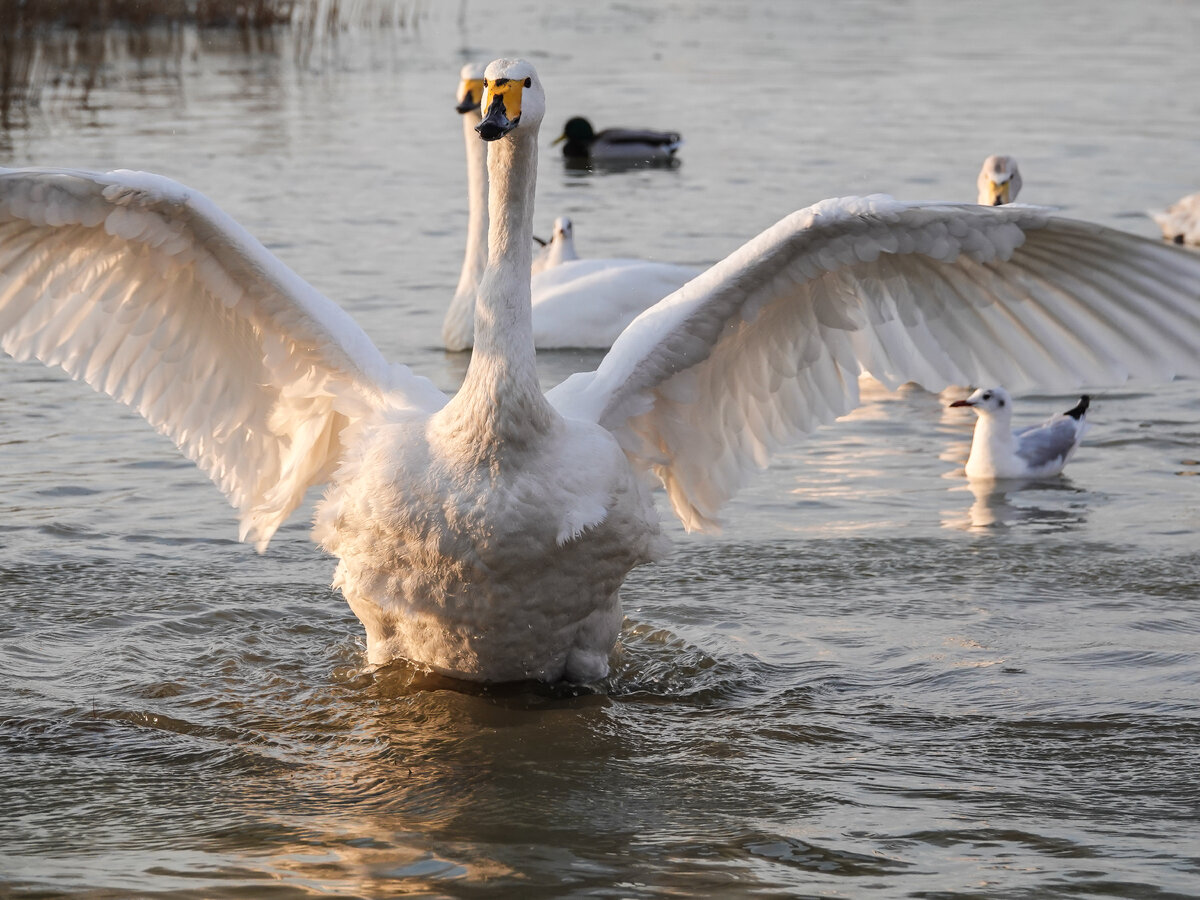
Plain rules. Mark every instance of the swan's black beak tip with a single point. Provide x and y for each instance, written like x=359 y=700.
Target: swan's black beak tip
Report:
x=496 y=123
x=491 y=131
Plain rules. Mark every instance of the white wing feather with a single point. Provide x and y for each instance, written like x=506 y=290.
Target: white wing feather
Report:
x=148 y=292
x=769 y=343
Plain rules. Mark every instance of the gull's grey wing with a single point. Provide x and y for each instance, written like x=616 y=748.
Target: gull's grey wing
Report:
x=1050 y=442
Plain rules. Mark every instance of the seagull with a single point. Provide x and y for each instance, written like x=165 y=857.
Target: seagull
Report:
x=486 y=536
x=1180 y=222
x=583 y=142
x=584 y=304
x=559 y=249
x=999 y=181
x=1034 y=452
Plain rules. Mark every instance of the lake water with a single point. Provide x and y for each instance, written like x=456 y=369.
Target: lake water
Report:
x=877 y=682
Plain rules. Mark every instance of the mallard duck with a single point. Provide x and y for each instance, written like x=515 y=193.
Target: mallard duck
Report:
x=486 y=536
x=1034 y=452
x=581 y=141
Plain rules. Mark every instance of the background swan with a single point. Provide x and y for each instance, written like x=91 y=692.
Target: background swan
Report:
x=459 y=323
x=999 y=181
x=1033 y=452
x=583 y=304
x=486 y=536
x=1180 y=222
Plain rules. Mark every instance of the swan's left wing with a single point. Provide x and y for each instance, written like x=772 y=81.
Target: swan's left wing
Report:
x=150 y=293
x=769 y=343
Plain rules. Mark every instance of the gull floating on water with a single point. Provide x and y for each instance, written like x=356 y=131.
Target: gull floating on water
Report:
x=581 y=141
x=999 y=181
x=559 y=249
x=487 y=535
x=582 y=303
x=1180 y=222
x=1034 y=452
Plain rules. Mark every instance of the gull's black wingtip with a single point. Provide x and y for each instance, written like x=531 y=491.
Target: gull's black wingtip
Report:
x=1077 y=411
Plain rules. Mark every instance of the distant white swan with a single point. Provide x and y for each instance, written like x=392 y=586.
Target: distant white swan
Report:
x=1180 y=222
x=588 y=302
x=999 y=181
x=1034 y=452
x=486 y=536
x=583 y=303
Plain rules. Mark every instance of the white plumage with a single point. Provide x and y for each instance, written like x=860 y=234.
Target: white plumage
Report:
x=1180 y=222
x=999 y=181
x=576 y=303
x=559 y=249
x=487 y=536
x=1034 y=452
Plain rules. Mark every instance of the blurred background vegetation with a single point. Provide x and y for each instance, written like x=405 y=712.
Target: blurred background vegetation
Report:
x=70 y=46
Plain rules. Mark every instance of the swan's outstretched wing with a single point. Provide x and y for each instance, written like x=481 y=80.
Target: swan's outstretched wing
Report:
x=769 y=342
x=148 y=292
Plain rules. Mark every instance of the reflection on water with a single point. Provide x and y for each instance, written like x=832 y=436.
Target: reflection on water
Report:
x=60 y=52
x=1045 y=505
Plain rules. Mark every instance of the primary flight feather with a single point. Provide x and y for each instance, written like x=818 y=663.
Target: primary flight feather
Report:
x=487 y=536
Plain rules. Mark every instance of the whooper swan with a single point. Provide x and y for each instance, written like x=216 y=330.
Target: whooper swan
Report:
x=487 y=535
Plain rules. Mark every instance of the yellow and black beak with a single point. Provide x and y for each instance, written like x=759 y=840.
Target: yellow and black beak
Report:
x=501 y=107
x=470 y=92
x=999 y=194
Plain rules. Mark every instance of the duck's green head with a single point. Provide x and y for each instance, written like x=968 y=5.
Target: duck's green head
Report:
x=577 y=129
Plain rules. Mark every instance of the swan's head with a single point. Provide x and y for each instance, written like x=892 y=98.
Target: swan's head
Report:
x=988 y=402
x=563 y=230
x=512 y=98
x=470 y=88
x=999 y=181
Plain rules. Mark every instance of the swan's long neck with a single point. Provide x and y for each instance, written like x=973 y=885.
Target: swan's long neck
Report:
x=458 y=327
x=501 y=400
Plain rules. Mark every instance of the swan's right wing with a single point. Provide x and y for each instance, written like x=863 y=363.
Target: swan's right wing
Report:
x=769 y=343
x=150 y=293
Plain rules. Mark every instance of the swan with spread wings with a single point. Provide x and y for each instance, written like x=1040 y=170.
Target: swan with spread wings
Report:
x=487 y=535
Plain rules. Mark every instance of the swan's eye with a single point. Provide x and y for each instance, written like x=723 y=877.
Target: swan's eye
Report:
x=528 y=82
x=485 y=82
x=987 y=396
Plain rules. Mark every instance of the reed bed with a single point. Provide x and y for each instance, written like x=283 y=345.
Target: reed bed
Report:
x=72 y=45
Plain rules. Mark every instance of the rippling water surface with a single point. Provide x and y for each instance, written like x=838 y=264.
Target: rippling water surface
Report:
x=879 y=681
